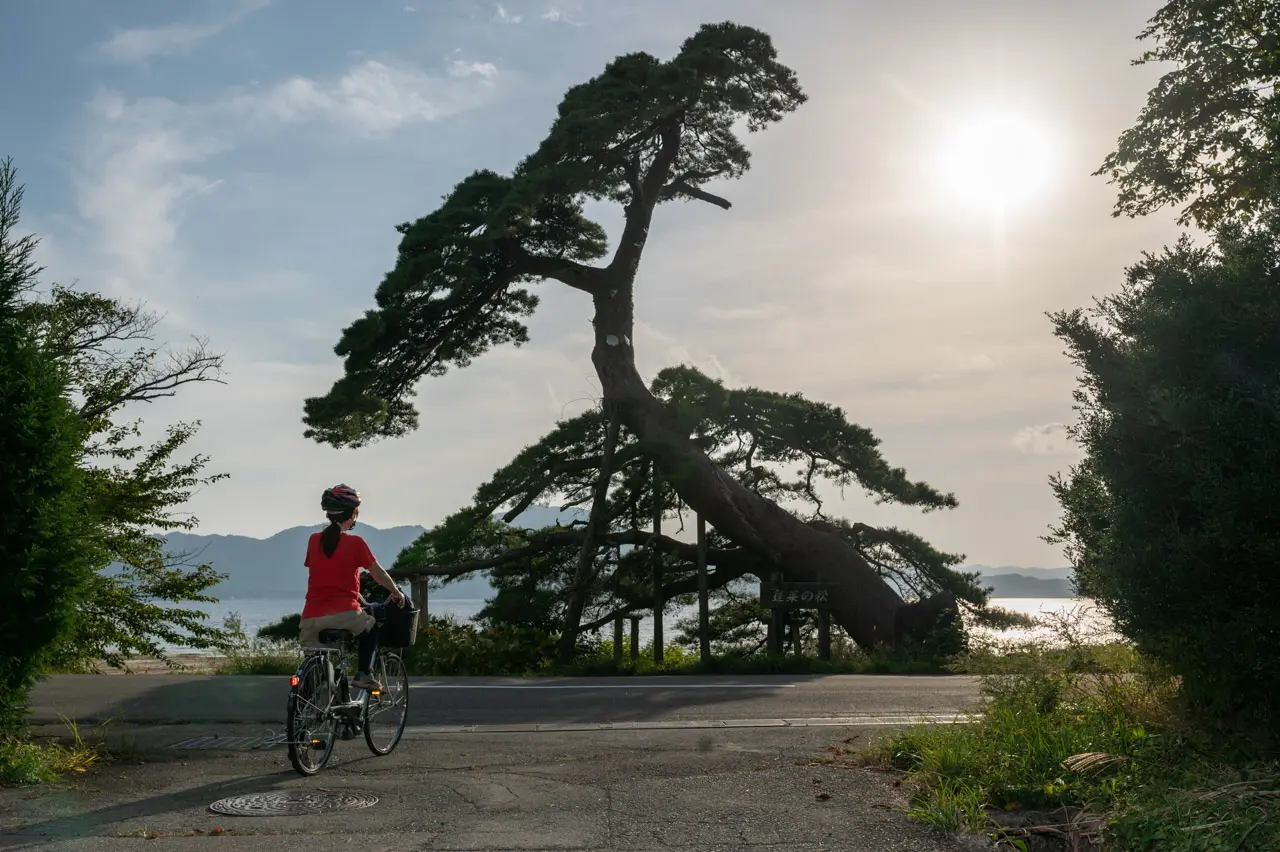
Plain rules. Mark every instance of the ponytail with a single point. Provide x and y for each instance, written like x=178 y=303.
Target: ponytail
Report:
x=332 y=535
x=330 y=538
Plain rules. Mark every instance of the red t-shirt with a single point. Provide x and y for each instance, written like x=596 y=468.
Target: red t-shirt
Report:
x=333 y=582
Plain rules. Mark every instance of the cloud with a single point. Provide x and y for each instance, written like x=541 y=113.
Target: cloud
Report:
x=370 y=99
x=146 y=161
x=411 y=9
x=559 y=14
x=502 y=16
x=1048 y=439
x=143 y=43
x=460 y=68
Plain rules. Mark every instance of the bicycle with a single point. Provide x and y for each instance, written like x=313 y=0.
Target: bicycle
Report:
x=321 y=709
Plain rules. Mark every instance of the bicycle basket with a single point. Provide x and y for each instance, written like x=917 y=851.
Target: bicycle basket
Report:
x=400 y=630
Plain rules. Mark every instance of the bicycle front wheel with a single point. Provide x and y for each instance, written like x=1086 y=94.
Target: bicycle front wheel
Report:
x=385 y=714
x=311 y=726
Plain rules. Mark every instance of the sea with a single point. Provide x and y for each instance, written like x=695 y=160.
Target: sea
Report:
x=255 y=613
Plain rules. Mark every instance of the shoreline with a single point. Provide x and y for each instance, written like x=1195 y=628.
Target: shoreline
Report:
x=179 y=664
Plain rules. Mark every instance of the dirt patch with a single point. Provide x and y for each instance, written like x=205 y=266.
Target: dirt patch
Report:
x=178 y=664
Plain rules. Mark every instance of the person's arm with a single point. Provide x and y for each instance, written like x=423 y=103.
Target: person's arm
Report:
x=384 y=580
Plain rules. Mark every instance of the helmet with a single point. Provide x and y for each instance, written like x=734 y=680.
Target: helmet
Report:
x=339 y=498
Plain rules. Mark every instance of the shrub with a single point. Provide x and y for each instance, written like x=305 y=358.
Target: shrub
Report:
x=46 y=546
x=24 y=763
x=256 y=655
x=1170 y=518
x=1062 y=728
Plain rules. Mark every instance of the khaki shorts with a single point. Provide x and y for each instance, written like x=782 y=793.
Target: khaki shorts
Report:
x=355 y=620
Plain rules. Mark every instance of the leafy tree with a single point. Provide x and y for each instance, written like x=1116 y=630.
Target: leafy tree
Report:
x=1210 y=131
x=642 y=133
x=46 y=535
x=1170 y=519
x=783 y=446
x=134 y=489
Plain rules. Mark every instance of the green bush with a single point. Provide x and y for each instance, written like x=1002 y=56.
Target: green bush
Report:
x=285 y=630
x=257 y=655
x=1067 y=724
x=449 y=647
x=24 y=763
x=1170 y=518
x=46 y=544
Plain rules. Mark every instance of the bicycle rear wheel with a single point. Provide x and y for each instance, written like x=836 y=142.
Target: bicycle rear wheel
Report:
x=385 y=714
x=311 y=726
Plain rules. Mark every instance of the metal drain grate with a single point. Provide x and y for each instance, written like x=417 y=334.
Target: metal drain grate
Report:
x=214 y=742
x=292 y=803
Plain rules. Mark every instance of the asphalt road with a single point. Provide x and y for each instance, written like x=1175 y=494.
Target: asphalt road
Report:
x=443 y=703
x=697 y=764
x=747 y=790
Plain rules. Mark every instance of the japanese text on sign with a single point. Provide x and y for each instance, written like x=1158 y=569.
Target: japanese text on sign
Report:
x=796 y=595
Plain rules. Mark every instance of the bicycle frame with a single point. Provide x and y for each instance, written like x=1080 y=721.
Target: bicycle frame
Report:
x=341 y=704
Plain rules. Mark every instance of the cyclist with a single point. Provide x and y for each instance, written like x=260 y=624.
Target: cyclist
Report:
x=334 y=560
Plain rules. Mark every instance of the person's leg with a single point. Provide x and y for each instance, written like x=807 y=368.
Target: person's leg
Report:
x=366 y=626
x=309 y=628
x=368 y=646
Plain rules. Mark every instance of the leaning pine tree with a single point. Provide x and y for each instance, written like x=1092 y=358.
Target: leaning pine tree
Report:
x=782 y=447
x=642 y=133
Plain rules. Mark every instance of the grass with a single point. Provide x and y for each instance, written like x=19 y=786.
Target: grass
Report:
x=681 y=661
x=25 y=763
x=449 y=648
x=1090 y=742
x=246 y=655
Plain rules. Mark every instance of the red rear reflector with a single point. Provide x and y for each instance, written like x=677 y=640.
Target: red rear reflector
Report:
x=293 y=681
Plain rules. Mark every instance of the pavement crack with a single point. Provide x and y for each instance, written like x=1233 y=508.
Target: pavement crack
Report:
x=463 y=796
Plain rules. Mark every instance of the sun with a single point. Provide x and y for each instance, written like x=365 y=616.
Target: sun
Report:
x=995 y=162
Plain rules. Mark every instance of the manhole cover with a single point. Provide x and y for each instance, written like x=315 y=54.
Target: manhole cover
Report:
x=292 y=803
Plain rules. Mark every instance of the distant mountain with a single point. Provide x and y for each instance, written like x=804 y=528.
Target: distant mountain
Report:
x=272 y=567
x=1043 y=573
x=1011 y=581
x=1022 y=586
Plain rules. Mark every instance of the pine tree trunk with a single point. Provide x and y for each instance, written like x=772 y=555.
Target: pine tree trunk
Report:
x=868 y=608
x=584 y=573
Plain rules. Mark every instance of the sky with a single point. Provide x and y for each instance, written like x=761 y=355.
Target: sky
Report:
x=240 y=166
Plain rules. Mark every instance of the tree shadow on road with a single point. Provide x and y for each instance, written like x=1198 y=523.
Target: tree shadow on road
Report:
x=85 y=824
x=210 y=700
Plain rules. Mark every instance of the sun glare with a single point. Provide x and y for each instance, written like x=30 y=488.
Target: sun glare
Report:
x=995 y=162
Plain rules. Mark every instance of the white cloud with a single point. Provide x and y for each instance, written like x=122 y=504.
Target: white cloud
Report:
x=371 y=98
x=559 y=14
x=461 y=68
x=142 y=43
x=411 y=9
x=146 y=161
x=502 y=16
x=1048 y=439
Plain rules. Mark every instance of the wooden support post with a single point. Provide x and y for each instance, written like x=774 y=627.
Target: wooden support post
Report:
x=617 y=640
x=704 y=604
x=659 y=602
x=418 y=591
x=775 y=622
x=824 y=634
x=797 y=643
x=635 y=638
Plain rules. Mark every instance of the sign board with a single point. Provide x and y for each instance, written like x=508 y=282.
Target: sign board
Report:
x=797 y=595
